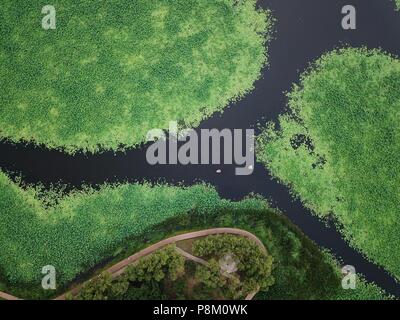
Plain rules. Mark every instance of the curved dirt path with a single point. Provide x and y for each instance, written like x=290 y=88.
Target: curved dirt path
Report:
x=118 y=268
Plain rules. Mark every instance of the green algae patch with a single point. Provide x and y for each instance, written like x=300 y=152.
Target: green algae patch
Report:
x=110 y=72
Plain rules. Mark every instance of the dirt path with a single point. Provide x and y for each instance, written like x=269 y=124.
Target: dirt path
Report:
x=7 y=296
x=117 y=269
x=189 y=256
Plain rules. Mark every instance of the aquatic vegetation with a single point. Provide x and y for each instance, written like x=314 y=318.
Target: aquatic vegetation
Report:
x=85 y=227
x=109 y=73
x=338 y=148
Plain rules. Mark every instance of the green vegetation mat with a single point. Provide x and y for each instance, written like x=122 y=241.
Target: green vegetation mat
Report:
x=109 y=73
x=90 y=227
x=338 y=148
x=83 y=228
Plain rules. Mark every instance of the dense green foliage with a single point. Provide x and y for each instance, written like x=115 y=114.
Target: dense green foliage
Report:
x=339 y=148
x=364 y=290
x=101 y=288
x=151 y=290
x=165 y=275
x=301 y=270
x=83 y=228
x=159 y=265
x=112 y=71
x=253 y=266
x=147 y=272
x=397 y=4
x=211 y=276
x=200 y=283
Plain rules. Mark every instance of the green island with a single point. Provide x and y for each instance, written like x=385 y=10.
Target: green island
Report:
x=84 y=231
x=109 y=73
x=338 y=148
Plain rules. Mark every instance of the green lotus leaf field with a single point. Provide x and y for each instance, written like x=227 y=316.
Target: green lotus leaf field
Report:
x=338 y=148
x=110 y=72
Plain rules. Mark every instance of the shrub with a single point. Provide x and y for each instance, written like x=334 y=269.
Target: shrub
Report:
x=210 y=275
x=98 y=288
x=165 y=263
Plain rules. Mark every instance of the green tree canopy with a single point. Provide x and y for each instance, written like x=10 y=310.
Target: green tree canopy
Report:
x=157 y=266
x=139 y=278
x=254 y=265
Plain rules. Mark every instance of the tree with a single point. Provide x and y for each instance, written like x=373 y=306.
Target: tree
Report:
x=211 y=275
x=138 y=279
x=163 y=263
x=96 y=289
x=254 y=267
